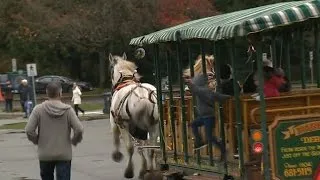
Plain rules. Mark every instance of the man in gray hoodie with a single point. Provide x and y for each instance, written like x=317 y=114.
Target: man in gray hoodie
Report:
x=205 y=103
x=54 y=121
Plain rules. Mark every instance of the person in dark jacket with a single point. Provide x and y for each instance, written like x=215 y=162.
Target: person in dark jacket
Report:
x=227 y=80
x=8 y=96
x=26 y=95
x=205 y=103
x=250 y=86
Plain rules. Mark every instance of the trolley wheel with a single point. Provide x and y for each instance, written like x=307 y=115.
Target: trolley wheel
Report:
x=227 y=177
x=164 y=167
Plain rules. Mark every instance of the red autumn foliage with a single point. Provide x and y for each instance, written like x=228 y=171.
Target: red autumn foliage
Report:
x=173 y=12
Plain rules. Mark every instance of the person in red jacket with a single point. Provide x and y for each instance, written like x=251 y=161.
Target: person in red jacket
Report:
x=316 y=175
x=272 y=85
x=272 y=82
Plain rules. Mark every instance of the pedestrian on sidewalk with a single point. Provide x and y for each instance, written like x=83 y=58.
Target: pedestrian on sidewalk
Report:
x=26 y=96
x=76 y=98
x=8 y=96
x=54 y=121
x=1 y=95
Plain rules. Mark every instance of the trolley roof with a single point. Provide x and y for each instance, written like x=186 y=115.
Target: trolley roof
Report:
x=239 y=23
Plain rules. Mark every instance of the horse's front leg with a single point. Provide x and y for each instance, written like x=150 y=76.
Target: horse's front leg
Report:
x=144 y=167
x=154 y=134
x=129 y=172
x=117 y=156
x=151 y=159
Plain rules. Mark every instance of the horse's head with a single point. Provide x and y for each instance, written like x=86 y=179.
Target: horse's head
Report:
x=210 y=65
x=120 y=69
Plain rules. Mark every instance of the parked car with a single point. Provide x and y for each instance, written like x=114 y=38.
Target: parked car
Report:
x=66 y=83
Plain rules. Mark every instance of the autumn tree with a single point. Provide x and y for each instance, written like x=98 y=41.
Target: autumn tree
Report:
x=175 y=12
x=236 y=5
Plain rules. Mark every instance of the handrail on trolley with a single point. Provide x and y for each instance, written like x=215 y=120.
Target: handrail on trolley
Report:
x=253 y=111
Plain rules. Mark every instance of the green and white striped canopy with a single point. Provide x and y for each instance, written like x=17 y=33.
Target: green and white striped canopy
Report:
x=239 y=23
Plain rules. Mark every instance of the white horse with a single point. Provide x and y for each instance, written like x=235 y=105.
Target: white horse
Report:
x=133 y=112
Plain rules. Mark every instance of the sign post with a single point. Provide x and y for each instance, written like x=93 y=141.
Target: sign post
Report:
x=311 y=65
x=32 y=72
x=14 y=65
x=294 y=145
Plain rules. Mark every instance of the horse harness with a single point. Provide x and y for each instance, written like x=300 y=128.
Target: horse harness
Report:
x=116 y=114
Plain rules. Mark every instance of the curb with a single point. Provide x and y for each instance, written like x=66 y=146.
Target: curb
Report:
x=10 y=116
x=11 y=131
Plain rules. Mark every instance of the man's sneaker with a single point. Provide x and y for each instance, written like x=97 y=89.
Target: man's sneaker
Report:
x=197 y=147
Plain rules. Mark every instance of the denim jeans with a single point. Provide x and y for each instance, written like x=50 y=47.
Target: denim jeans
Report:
x=8 y=105
x=208 y=123
x=63 y=170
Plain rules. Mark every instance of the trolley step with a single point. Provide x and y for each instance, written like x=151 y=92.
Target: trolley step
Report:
x=202 y=177
x=148 y=147
x=173 y=175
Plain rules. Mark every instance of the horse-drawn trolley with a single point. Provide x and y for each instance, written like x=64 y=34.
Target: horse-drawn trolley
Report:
x=266 y=136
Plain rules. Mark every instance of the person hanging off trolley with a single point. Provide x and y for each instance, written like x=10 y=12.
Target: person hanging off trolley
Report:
x=205 y=99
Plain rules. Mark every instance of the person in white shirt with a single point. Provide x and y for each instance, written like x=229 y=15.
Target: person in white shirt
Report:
x=76 y=98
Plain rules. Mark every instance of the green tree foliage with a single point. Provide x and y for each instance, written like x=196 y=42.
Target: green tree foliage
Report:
x=72 y=37
x=69 y=37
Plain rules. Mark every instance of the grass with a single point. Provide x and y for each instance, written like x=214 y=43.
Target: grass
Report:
x=96 y=91
x=91 y=106
x=20 y=125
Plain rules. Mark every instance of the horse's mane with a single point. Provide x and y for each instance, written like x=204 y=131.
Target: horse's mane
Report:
x=198 y=65
x=125 y=64
x=127 y=67
x=198 y=69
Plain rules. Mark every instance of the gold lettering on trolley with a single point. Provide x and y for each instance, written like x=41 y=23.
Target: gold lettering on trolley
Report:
x=311 y=139
x=301 y=129
x=296 y=170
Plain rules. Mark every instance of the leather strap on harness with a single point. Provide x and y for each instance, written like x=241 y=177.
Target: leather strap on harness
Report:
x=116 y=115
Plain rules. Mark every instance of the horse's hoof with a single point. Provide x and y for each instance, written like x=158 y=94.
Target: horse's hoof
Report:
x=129 y=173
x=142 y=174
x=147 y=176
x=117 y=156
x=153 y=175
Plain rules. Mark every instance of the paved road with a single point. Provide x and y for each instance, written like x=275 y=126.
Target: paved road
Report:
x=92 y=158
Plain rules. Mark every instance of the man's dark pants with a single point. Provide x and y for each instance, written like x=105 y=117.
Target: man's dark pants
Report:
x=8 y=105
x=63 y=170
x=23 y=107
x=208 y=123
